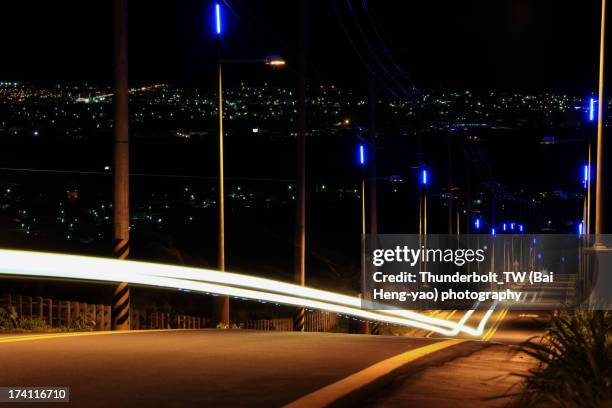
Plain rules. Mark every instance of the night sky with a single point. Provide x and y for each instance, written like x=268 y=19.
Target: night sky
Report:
x=503 y=44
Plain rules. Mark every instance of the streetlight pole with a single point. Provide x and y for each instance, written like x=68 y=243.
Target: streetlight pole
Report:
x=121 y=173
x=588 y=198
x=222 y=306
x=424 y=180
x=275 y=61
x=599 y=158
x=363 y=327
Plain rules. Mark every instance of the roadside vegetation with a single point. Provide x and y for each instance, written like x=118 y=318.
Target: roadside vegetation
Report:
x=574 y=362
x=11 y=322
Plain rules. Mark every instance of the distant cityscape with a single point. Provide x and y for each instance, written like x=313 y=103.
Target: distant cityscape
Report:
x=82 y=114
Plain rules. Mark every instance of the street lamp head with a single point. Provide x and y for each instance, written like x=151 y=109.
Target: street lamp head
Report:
x=218 y=18
x=275 y=61
x=362 y=158
x=424 y=177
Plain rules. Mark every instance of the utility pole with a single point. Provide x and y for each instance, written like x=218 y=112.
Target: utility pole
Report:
x=468 y=197
x=374 y=327
x=449 y=197
x=600 y=108
x=121 y=169
x=372 y=158
x=300 y=219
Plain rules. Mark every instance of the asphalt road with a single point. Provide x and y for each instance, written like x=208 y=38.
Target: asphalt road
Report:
x=193 y=368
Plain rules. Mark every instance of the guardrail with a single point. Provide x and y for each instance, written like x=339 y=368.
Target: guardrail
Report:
x=63 y=313
x=316 y=321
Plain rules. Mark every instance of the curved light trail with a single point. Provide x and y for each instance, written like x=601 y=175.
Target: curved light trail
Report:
x=48 y=265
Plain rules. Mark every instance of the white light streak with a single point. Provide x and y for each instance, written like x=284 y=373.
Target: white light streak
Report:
x=40 y=264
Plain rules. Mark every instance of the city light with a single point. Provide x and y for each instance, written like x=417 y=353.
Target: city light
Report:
x=591 y=109
x=504 y=226
x=521 y=228
x=581 y=228
x=218 y=17
x=585 y=175
x=424 y=177
x=492 y=231
x=477 y=223
x=275 y=61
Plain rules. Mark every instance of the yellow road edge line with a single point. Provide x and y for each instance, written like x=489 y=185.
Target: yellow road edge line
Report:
x=15 y=339
x=498 y=322
x=494 y=322
x=501 y=321
x=446 y=317
x=330 y=393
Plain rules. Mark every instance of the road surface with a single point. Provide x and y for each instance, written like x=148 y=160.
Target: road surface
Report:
x=194 y=367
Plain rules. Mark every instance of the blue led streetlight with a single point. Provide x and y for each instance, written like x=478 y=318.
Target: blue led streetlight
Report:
x=477 y=223
x=493 y=231
x=218 y=18
x=362 y=155
x=424 y=177
x=591 y=109
x=585 y=175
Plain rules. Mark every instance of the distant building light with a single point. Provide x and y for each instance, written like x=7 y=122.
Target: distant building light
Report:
x=546 y=140
x=255 y=130
x=275 y=61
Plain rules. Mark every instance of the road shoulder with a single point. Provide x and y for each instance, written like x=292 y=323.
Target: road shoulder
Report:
x=468 y=375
